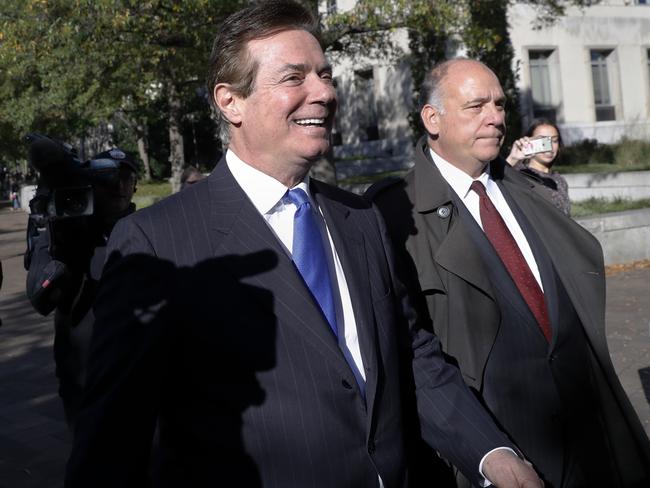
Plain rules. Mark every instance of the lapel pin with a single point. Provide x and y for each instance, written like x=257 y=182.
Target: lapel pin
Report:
x=443 y=212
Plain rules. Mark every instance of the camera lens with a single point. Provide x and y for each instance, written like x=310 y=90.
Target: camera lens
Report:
x=73 y=202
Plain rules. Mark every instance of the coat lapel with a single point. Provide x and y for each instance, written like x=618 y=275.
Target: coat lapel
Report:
x=455 y=253
x=585 y=288
x=237 y=228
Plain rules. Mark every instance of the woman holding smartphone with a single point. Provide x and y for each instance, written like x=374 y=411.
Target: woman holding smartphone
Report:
x=524 y=156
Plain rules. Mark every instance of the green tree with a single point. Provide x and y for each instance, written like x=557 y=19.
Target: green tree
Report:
x=66 y=65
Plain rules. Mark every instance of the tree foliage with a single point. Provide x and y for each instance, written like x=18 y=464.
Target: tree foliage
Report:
x=69 y=66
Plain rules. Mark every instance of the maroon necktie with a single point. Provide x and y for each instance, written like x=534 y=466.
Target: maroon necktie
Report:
x=506 y=247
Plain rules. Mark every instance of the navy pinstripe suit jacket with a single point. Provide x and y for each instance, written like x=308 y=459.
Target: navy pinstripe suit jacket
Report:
x=205 y=328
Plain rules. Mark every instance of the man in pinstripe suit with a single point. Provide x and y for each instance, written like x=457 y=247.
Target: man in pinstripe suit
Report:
x=205 y=325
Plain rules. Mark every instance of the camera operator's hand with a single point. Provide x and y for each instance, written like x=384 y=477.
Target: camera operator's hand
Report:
x=73 y=241
x=49 y=281
x=517 y=152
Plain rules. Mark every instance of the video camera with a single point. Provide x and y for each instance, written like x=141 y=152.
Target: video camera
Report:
x=65 y=186
x=64 y=202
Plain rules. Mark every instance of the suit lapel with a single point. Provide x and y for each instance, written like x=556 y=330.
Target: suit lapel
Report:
x=350 y=248
x=237 y=228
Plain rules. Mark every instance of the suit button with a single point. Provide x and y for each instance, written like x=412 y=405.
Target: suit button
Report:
x=371 y=447
x=346 y=385
x=551 y=358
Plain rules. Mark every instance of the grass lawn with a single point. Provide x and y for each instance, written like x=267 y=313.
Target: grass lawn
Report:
x=150 y=193
x=595 y=206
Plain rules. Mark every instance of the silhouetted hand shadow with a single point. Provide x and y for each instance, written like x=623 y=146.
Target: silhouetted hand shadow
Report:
x=179 y=346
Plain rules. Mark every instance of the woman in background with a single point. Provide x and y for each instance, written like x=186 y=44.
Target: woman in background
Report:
x=539 y=165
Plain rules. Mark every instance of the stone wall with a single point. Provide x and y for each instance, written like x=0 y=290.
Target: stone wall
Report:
x=632 y=185
x=624 y=236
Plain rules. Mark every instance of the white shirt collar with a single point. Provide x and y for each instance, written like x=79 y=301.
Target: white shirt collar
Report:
x=264 y=191
x=459 y=181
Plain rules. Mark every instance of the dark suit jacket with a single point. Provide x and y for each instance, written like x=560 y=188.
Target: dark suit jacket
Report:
x=204 y=324
x=441 y=265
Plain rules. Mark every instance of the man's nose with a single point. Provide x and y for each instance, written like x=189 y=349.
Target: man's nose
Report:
x=322 y=90
x=496 y=114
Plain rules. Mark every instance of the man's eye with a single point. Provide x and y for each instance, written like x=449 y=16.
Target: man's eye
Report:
x=292 y=79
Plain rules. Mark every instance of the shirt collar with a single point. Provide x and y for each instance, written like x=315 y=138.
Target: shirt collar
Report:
x=459 y=181
x=264 y=191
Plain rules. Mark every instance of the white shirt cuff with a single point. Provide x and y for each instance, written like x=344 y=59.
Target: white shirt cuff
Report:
x=486 y=482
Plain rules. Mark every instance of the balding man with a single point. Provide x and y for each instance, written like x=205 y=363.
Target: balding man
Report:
x=515 y=289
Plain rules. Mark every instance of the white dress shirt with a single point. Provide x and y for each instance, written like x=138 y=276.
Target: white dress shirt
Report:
x=460 y=182
x=268 y=196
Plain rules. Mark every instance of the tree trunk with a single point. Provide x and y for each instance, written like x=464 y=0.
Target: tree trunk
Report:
x=143 y=150
x=176 y=145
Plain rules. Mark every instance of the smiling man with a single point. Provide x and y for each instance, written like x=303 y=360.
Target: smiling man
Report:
x=514 y=288
x=254 y=316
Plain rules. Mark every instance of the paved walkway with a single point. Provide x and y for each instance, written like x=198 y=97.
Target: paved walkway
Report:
x=34 y=442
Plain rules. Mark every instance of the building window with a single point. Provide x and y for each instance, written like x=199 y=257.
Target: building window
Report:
x=600 y=73
x=541 y=83
x=366 y=106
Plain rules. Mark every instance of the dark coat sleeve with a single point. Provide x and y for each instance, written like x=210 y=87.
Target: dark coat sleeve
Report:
x=129 y=358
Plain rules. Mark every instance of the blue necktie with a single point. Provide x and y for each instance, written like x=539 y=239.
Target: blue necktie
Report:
x=309 y=255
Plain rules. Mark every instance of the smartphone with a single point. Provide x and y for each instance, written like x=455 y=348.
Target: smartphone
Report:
x=539 y=145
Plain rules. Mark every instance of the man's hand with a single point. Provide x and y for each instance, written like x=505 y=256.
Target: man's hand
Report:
x=505 y=470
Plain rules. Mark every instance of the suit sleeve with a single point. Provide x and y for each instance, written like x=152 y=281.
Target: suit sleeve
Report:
x=451 y=420
x=127 y=365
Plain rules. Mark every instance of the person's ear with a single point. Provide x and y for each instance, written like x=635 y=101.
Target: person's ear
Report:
x=228 y=102
x=431 y=119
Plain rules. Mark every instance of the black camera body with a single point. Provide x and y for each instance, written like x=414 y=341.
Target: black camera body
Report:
x=64 y=202
x=65 y=186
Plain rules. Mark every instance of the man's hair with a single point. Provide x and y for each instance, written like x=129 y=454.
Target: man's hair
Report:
x=431 y=90
x=192 y=174
x=230 y=61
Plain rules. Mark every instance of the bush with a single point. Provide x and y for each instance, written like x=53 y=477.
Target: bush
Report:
x=631 y=152
x=626 y=153
x=587 y=151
